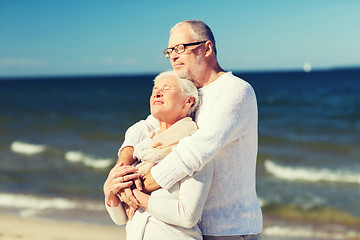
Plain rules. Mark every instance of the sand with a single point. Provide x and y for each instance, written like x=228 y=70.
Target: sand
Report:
x=18 y=228
x=12 y=228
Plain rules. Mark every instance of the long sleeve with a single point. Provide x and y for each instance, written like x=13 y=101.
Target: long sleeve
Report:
x=228 y=113
x=186 y=209
x=117 y=214
x=139 y=131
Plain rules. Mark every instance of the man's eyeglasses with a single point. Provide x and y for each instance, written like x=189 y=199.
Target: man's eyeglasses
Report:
x=180 y=48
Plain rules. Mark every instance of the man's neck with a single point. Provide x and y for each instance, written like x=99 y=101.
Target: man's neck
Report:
x=211 y=76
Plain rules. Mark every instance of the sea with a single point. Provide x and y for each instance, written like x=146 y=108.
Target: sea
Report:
x=59 y=137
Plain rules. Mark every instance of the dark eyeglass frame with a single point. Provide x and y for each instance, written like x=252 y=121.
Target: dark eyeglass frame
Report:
x=167 y=51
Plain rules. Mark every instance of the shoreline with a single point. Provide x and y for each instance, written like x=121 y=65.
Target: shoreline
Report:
x=13 y=227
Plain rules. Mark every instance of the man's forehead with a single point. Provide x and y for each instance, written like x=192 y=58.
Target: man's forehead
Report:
x=181 y=34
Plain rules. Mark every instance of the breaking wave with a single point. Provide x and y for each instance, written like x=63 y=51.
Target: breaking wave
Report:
x=31 y=204
x=27 y=148
x=87 y=160
x=311 y=174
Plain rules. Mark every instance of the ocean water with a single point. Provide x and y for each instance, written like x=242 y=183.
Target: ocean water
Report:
x=59 y=138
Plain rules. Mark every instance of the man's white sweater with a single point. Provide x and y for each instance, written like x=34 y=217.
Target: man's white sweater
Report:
x=227 y=119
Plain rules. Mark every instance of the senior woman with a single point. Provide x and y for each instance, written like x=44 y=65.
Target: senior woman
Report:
x=165 y=214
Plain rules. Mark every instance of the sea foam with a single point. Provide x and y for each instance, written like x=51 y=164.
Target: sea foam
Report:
x=27 y=148
x=30 y=205
x=87 y=160
x=33 y=202
x=309 y=232
x=311 y=174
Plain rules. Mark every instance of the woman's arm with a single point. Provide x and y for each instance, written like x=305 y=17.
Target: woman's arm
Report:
x=138 y=132
x=117 y=214
x=134 y=134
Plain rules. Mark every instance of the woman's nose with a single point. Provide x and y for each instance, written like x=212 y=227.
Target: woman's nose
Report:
x=158 y=94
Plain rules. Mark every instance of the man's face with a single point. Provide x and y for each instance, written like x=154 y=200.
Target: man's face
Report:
x=189 y=63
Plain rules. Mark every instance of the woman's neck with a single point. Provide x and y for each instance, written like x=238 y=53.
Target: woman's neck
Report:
x=164 y=126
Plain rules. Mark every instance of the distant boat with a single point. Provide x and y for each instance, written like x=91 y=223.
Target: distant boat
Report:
x=307 y=67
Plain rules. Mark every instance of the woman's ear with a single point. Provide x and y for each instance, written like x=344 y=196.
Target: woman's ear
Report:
x=189 y=101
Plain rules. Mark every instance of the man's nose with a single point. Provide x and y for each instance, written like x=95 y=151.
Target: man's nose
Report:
x=174 y=56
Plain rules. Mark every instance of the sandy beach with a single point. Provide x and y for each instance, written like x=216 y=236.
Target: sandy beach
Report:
x=15 y=228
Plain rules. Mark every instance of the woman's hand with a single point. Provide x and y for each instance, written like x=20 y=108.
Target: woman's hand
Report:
x=119 y=177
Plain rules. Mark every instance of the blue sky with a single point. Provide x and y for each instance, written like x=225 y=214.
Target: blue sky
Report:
x=51 y=37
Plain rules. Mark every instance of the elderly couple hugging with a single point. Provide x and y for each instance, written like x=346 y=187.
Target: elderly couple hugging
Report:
x=198 y=179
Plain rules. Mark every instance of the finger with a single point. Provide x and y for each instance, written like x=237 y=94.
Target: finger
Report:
x=127 y=169
x=133 y=202
x=123 y=185
x=121 y=171
x=138 y=184
x=130 y=177
x=131 y=212
x=127 y=197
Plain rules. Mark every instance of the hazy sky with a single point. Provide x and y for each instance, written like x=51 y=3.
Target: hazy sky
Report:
x=52 y=37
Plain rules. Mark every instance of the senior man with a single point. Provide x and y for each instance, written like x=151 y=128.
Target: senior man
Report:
x=227 y=134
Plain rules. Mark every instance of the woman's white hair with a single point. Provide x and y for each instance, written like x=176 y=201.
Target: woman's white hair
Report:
x=188 y=89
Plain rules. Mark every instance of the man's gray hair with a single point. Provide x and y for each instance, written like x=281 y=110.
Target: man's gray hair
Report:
x=200 y=31
x=188 y=89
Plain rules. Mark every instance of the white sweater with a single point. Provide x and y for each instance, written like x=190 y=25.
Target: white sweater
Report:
x=173 y=213
x=227 y=135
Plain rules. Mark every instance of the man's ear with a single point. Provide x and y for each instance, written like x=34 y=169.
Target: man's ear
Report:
x=209 y=48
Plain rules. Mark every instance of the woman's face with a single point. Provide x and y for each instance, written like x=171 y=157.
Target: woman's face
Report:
x=167 y=102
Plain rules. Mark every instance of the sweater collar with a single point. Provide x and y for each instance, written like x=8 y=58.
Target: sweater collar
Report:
x=215 y=82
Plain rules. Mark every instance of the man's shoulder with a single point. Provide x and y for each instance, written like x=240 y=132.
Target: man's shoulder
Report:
x=235 y=80
x=232 y=83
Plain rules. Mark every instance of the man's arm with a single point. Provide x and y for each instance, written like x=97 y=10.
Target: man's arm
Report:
x=231 y=117
x=149 y=183
x=186 y=209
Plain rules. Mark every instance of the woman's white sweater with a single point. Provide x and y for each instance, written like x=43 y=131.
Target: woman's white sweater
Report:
x=173 y=213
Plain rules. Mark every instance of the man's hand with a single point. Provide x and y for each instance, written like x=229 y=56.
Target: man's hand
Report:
x=143 y=199
x=149 y=184
x=129 y=211
x=127 y=197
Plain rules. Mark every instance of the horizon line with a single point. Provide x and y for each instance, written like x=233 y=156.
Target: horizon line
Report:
x=94 y=75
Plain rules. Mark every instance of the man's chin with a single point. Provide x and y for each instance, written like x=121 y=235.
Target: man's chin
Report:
x=182 y=74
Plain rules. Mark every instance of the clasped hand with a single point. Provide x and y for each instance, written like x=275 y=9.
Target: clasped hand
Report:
x=121 y=181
